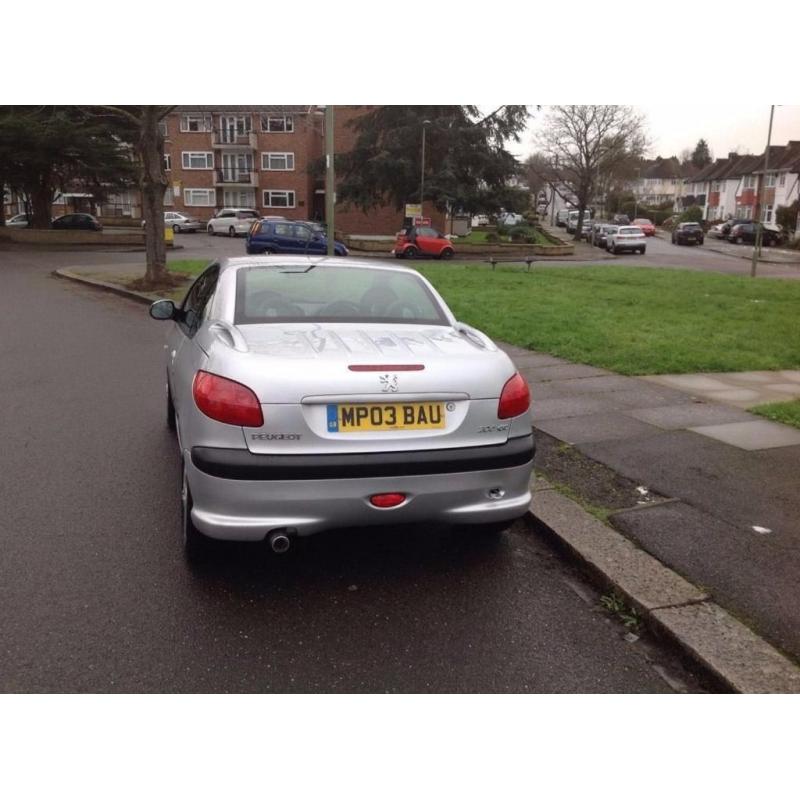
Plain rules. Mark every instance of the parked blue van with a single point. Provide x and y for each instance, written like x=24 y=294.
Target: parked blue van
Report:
x=287 y=237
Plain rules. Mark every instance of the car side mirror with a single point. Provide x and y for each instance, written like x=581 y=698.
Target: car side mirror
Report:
x=317 y=237
x=163 y=309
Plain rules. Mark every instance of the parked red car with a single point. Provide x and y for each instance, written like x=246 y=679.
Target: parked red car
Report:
x=422 y=240
x=648 y=229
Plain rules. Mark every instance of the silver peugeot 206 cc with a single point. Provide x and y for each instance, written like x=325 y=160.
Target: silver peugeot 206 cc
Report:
x=310 y=395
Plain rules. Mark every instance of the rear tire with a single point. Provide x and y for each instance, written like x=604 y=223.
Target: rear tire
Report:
x=410 y=252
x=446 y=254
x=176 y=228
x=196 y=546
x=231 y=231
x=210 y=230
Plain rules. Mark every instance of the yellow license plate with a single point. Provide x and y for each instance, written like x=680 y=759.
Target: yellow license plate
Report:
x=359 y=417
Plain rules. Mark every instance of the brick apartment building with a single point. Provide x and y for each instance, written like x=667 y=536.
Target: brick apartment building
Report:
x=257 y=157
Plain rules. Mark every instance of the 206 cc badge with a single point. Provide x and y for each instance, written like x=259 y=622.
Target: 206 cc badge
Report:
x=388 y=383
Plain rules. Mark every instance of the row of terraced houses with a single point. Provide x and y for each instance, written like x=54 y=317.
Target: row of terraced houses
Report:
x=256 y=157
x=741 y=186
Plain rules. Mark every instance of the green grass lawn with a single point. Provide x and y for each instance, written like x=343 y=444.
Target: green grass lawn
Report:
x=788 y=413
x=635 y=321
x=189 y=266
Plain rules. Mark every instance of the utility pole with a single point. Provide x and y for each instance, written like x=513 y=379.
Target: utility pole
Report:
x=425 y=124
x=330 y=178
x=759 y=226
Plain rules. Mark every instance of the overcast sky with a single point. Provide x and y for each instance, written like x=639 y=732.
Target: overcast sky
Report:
x=725 y=127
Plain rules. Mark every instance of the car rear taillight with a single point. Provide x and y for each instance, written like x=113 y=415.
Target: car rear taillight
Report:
x=515 y=399
x=226 y=401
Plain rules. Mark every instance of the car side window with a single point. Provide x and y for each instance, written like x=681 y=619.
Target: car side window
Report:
x=282 y=229
x=301 y=232
x=197 y=299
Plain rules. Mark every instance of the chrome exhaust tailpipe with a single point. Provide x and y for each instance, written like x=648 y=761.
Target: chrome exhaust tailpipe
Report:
x=279 y=542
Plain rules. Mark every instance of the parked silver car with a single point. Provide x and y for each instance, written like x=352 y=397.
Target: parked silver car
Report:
x=626 y=239
x=180 y=223
x=316 y=394
x=18 y=221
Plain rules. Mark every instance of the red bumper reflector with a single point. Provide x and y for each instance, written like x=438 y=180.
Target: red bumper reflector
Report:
x=386 y=367
x=389 y=500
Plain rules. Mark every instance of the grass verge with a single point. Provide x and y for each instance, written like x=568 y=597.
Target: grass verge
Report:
x=635 y=321
x=788 y=413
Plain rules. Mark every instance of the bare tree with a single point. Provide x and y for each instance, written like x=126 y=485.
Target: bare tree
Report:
x=589 y=141
x=142 y=125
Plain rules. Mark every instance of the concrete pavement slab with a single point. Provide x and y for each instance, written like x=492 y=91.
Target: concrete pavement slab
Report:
x=686 y=415
x=561 y=372
x=741 y=389
x=788 y=388
x=693 y=384
x=743 y=398
x=557 y=407
x=604 y=383
x=729 y=649
x=596 y=427
x=753 y=435
x=642 y=395
x=740 y=564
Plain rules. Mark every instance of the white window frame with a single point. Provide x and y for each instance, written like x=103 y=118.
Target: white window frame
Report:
x=288 y=123
x=167 y=162
x=290 y=194
x=782 y=179
x=770 y=179
x=767 y=215
x=749 y=181
x=233 y=198
x=186 y=156
x=189 y=198
x=266 y=162
x=169 y=196
x=205 y=123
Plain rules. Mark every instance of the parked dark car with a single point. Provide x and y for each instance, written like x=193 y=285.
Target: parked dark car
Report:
x=722 y=230
x=287 y=237
x=745 y=233
x=77 y=222
x=621 y=219
x=688 y=233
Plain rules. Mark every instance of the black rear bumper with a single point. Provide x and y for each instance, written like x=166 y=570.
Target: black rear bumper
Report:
x=236 y=464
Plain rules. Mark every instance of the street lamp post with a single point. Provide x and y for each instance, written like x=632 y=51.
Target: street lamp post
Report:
x=425 y=124
x=759 y=225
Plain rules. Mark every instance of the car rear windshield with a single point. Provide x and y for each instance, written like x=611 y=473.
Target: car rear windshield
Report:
x=691 y=226
x=629 y=231
x=300 y=293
